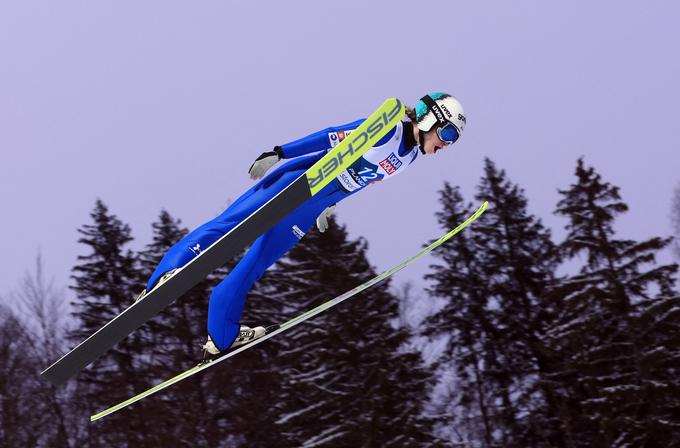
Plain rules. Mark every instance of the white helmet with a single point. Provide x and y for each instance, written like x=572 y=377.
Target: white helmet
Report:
x=439 y=108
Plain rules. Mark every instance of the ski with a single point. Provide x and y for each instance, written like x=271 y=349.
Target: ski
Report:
x=293 y=322
x=229 y=245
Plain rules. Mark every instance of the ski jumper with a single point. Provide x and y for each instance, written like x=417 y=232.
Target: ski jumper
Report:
x=390 y=156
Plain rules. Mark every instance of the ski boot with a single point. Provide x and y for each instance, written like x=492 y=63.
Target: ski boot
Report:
x=161 y=280
x=245 y=335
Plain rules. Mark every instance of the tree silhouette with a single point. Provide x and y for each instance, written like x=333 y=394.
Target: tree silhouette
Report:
x=494 y=277
x=346 y=378
x=105 y=284
x=608 y=323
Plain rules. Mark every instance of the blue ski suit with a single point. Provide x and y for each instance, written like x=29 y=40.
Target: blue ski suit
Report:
x=389 y=156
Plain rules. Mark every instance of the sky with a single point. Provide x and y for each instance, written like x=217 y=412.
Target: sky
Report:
x=165 y=104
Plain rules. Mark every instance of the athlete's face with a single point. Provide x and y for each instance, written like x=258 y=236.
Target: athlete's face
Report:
x=432 y=142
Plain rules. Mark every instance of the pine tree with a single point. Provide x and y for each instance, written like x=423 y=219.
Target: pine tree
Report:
x=105 y=282
x=494 y=278
x=518 y=261
x=675 y=221
x=465 y=321
x=251 y=381
x=656 y=334
x=172 y=344
x=613 y=375
x=220 y=405
x=197 y=412
x=21 y=410
x=345 y=378
x=224 y=404
x=40 y=337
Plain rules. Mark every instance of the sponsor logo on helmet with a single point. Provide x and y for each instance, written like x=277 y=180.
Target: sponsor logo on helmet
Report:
x=445 y=109
x=438 y=114
x=356 y=143
x=461 y=117
x=391 y=164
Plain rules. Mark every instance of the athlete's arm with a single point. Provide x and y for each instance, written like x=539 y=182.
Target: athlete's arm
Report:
x=318 y=141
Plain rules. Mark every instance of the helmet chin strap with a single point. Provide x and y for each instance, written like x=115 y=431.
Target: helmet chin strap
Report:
x=421 y=141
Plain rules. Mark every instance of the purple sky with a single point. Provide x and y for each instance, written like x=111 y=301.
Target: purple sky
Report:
x=165 y=104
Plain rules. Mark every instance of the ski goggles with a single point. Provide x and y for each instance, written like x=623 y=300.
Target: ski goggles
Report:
x=447 y=133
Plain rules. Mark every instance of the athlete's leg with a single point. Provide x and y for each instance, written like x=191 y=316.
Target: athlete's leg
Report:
x=202 y=237
x=228 y=298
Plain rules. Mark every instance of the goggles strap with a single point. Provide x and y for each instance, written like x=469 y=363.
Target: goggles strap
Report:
x=432 y=105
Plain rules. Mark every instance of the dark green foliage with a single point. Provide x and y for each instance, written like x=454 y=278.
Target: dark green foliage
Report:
x=104 y=286
x=172 y=344
x=493 y=278
x=18 y=372
x=585 y=360
x=675 y=221
x=346 y=381
x=611 y=326
x=33 y=412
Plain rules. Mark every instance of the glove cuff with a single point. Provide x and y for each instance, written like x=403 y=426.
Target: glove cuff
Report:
x=279 y=152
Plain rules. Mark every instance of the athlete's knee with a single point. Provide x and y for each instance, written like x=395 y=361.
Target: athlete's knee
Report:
x=223 y=290
x=178 y=255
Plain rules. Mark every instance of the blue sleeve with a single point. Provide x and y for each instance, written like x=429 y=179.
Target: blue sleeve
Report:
x=323 y=140
x=318 y=141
